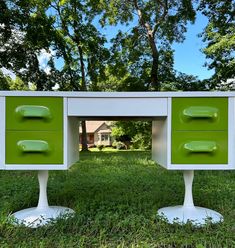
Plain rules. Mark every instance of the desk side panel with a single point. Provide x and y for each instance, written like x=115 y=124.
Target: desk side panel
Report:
x=159 y=141
x=2 y=133
x=72 y=141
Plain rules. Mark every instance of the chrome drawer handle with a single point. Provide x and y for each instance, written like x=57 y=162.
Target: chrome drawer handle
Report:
x=33 y=111
x=201 y=146
x=28 y=146
x=200 y=112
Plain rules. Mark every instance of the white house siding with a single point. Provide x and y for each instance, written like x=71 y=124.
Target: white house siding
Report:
x=97 y=141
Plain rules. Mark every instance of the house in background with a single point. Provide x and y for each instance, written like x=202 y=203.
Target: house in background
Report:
x=98 y=133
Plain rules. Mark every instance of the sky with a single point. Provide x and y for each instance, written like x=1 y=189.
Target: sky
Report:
x=188 y=57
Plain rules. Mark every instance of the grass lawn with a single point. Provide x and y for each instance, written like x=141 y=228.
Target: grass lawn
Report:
x=116 y=196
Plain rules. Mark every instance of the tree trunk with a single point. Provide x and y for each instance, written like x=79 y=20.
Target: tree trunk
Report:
x=155 y=84
x=84 y=136
x=83 y=87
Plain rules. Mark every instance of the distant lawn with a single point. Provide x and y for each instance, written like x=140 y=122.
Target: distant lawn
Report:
x=111 y=149
x=116 y=196
x=105 y=149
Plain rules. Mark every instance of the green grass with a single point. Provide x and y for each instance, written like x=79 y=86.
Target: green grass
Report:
x=116 y=196
x=105 y=149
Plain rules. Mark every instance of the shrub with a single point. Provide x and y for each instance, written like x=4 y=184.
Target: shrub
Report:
x=119 y=145
x=100 y=147
x=140 y=141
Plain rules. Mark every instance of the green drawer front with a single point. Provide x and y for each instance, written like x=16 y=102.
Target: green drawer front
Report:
x=203 y=147
x=29 y=147
x=34 y=113
x=200 y=113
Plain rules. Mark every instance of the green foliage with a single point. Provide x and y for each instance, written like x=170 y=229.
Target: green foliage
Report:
x=139 y=59
x=3 y=82
x=117 y=78
x=116 y=196
x=219 y=36
x=141 y=141
x=25 y=30
x=184 y=82
x=17 y=84
x=61 y=29
x=119 y=145
x=136 y=132
x=225 y=86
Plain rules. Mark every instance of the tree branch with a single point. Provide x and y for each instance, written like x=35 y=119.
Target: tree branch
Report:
x=141 y=18
x=165 y=11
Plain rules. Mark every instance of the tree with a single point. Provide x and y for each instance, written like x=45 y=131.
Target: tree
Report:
x=81 y=46
x=61 y=28
x=219 y=36
x=17 y=84
x=160 y=23
x=25 y=30
x=137 y=132
x=3 y=82
x=185 y=82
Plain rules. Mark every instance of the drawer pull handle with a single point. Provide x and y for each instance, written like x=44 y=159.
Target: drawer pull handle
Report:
x=201 y=146
x=33 y=111
x=200 y=112
x=39 y=146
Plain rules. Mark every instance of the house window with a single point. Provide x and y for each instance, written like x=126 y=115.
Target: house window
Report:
x=104 y=137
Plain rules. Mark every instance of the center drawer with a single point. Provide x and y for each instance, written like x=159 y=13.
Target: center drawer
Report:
x=34 y=113
x=200 y=113
x=29 y=147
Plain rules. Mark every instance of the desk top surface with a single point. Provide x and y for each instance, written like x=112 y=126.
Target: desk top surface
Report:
x=89 y=94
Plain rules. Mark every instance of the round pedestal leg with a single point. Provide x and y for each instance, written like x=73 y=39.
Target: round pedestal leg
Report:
x=42 y=214
x=188 y=212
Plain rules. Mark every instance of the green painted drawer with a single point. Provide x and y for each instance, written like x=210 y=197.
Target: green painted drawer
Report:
x=203 y=147
x=200 y=113
x=34 y=113
x=29 y=147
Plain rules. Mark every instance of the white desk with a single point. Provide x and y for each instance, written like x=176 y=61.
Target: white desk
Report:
x=187 y=126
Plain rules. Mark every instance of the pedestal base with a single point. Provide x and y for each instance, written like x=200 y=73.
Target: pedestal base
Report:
x=197 y=215
x=36 y=217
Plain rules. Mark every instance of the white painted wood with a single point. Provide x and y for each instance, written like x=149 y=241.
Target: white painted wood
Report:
x=117 y=107
x=88 y=94
x=2 y=133
x=169 y=124
x=114 y=104
x=231 y=132
x=159 y=141
x=36 y=167
x=65 y=131
x=200 y=167
x=73 y=141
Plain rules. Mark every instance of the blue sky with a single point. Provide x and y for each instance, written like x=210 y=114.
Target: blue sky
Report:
x=188 y=57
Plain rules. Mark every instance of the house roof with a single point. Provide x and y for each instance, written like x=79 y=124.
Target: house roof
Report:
x=92 y=126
